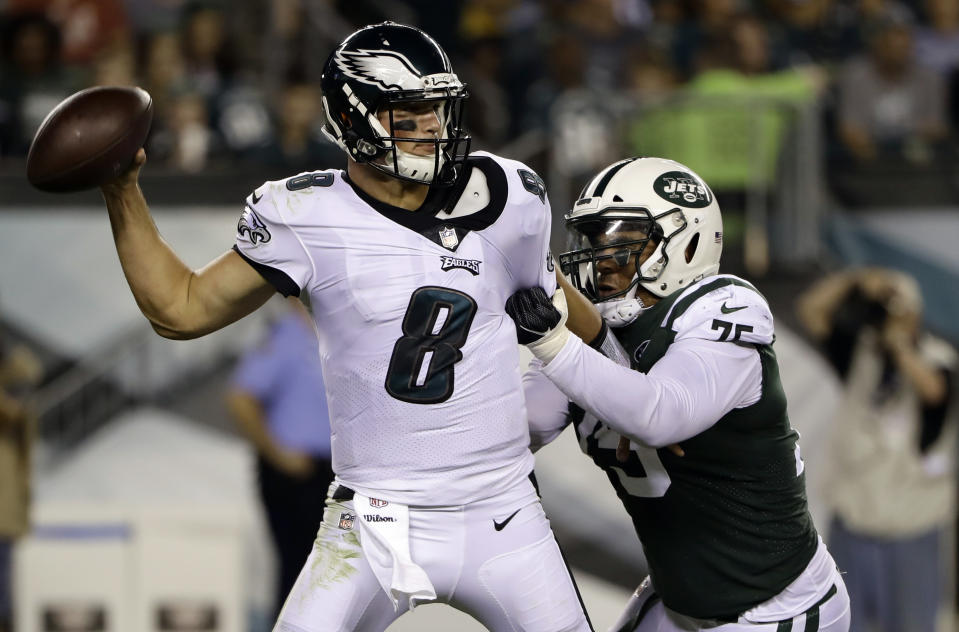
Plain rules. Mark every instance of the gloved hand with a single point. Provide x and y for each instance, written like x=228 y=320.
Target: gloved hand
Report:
x=540 y=322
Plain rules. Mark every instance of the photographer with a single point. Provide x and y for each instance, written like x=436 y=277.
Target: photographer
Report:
x=892 y=482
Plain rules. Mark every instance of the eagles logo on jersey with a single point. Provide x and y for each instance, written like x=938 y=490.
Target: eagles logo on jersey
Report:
x=252 y=227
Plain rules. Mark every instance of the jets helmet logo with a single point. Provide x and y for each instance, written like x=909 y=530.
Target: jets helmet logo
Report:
x=682 y=189
x=384 y=68
x=253 y=227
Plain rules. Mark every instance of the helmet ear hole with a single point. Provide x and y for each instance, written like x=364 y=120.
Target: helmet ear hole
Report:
x=691 y=248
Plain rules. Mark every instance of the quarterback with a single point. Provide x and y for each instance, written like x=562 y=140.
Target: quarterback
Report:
x=687 y=359
x=407 y=259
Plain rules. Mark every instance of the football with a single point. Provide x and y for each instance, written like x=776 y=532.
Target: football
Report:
x=89 y=139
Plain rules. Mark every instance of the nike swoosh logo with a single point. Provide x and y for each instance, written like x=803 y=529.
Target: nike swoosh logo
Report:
x=256 y=198
x=499 y=526
x=730 y=310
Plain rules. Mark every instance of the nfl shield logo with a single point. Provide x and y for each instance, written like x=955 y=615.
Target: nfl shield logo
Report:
x=346 y=521
x=448 y=238
x=376 y=502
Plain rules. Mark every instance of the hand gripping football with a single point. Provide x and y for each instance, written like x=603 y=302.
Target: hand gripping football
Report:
x=89 y=139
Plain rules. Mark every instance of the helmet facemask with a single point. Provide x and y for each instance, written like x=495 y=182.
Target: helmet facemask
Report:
x=450 y=146
x=619 y=234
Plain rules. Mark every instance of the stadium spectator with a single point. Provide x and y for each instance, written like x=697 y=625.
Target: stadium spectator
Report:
x=488 y=117
x=162 y=70
x=650 y=77
x=733 y=121
x=115 y=66
x=888 y=105
x=297 y=144
x=937 y=42
x=208 y=54
x=605 y=27
x=707 y=21
x=892 y=482
x=19 y=371
x=184 y=140
x=87 y=27
x=937 y=48
x=34 y=79
x=277 y=401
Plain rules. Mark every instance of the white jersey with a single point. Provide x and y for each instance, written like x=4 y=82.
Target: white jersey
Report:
x=419 y=357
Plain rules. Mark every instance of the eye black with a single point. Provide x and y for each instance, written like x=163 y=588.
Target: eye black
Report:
x=407 y=125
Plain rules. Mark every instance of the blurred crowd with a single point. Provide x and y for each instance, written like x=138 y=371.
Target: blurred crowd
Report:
x=236 y=83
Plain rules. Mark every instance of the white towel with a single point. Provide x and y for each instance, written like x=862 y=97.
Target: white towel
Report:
x=385 y=536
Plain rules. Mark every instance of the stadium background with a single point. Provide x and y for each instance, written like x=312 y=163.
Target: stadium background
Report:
x=144 y=498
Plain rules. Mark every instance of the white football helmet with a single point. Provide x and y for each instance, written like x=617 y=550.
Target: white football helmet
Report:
x=625 y=206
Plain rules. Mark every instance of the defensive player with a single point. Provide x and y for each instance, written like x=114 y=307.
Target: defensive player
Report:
x=722 y=518
x=407 y=258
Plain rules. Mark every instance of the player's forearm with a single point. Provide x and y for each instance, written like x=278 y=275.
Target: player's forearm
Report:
x=622 y=398
x=662 y=407
x=584 y=320
x=159 y=280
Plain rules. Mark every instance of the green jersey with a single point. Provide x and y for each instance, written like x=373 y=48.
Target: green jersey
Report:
x=726 y=526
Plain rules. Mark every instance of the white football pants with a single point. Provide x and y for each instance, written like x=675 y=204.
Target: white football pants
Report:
x=645 y=613
x=512 y=579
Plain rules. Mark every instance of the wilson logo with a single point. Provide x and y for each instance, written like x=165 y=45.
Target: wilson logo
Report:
x=378 y=518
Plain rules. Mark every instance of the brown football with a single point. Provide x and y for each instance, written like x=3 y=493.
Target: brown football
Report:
x=89 y=139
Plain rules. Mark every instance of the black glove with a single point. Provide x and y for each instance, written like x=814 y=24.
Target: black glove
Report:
x=533 y=314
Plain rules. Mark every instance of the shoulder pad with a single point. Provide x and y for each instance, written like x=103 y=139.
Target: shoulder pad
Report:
x=722 y=308
x=519 y=173
x=269 y=197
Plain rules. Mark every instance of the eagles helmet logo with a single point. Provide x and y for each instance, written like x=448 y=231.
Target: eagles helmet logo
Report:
x=387 y=69
x=253 y=227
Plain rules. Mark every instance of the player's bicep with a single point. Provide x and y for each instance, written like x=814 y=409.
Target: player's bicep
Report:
x=222 y=292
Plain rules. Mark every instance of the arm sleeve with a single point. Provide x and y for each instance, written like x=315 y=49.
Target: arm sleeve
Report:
x=547 y=408
x=688 y=390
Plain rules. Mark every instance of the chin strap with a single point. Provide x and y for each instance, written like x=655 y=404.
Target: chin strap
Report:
x=418 y=167
x=621 y=312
